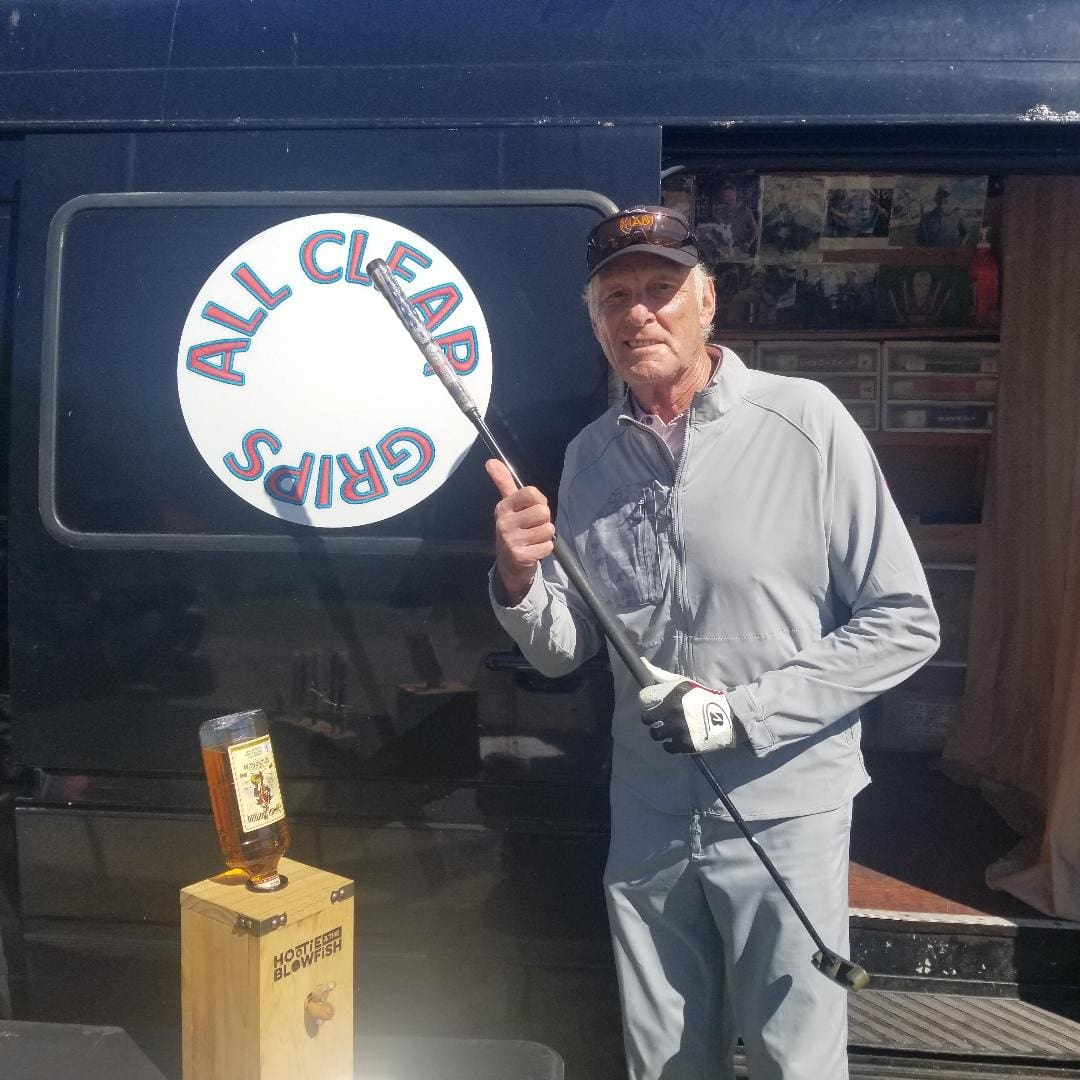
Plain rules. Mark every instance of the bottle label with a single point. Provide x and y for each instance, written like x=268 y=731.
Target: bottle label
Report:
x=258 y=796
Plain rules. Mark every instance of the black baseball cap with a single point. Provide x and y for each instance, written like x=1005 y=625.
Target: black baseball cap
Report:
x=657 y=230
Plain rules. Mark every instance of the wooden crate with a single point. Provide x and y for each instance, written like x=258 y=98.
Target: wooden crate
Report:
x=267 y=978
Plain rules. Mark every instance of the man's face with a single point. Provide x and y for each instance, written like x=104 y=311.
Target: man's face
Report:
x=728 y=197
x=648 y=319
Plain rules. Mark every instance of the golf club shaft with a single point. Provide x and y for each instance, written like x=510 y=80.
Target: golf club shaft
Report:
x=567 y=558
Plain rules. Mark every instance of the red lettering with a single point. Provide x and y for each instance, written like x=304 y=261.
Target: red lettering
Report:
x=198 y=360
x=323 y=494
x=461 y=348
x=399 y=253
x=307 y=256
x=435 y=305
x=254 y=285
x=233 y=321
x=287 y=484
x=357 y=247
x=368 y=476
x=254 y=466
x=414 y=440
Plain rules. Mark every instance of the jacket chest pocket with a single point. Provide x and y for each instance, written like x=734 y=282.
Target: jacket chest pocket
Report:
x=624 y=546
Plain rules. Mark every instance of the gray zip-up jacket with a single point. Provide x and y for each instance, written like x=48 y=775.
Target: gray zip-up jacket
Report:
x=770 y=561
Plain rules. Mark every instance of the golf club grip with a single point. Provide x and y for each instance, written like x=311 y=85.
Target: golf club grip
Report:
x=409 y=317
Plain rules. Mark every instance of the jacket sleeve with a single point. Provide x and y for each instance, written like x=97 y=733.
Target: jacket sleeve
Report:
x=875 y=572
x=551 y=625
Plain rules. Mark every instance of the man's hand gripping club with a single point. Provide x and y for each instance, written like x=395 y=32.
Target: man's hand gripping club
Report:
x=686 y=717
x=524 y=532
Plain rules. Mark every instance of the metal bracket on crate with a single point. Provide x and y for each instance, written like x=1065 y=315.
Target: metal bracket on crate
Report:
x=346 y=892
x=259 y=927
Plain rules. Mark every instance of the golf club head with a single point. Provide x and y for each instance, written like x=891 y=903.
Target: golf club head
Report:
x=845 y=973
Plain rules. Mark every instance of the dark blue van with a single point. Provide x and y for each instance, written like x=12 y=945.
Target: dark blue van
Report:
x=142 y=147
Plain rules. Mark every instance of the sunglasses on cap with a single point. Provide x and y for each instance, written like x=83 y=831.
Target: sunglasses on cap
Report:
x=653 y=229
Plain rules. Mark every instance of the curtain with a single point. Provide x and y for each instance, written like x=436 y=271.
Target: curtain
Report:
x=1018 y=734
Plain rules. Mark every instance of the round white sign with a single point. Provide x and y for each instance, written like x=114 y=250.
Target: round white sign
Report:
x=302 y=390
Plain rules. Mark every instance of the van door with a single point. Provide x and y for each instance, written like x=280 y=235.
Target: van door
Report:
x=147 y=595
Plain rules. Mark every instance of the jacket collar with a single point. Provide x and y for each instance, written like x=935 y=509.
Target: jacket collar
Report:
x=727 y=388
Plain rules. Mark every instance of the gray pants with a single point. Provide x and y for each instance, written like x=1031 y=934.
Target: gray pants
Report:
x=707 y=949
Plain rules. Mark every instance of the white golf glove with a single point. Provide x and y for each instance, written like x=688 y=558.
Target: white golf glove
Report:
x=683 y=715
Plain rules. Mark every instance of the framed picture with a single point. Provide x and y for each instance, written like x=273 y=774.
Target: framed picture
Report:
x=751 y=295
x=836 y=296
x=792 y=212
x=937 y=211
x=915 y=296
x=677 y=191
x=726 y=217
x=857 y=212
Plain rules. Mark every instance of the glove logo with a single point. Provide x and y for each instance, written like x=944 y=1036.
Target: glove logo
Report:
x=715 y=717
x=302 y=391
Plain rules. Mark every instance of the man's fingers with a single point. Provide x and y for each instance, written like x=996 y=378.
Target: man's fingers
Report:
x=500 y=477
x=523 y=530
x=530 y=516
x=532 y=545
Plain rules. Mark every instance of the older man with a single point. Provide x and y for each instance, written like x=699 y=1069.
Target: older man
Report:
x=738 y=524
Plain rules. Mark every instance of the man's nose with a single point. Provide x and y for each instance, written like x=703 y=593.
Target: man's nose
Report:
x=640 y=312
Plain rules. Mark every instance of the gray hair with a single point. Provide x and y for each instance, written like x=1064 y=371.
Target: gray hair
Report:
x=699 y=275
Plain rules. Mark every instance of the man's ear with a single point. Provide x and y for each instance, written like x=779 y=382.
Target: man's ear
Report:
x=590 y=311
x=708 y=304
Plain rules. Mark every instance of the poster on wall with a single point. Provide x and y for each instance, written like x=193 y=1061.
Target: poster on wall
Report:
x=792 y=212
x=837 y=251
x=837 y=295
x=677 y=191
x=726 y=217
x=937 y=211
x=857 y=212
x=917 y=296
x=754 y=295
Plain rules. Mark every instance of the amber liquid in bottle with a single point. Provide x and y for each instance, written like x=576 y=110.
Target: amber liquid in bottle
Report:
x=256 y=852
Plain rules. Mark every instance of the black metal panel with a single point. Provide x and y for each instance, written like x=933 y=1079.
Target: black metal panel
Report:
x=958 y=957
x=276 y=33
x=7 y=281
x=11 y=152
x=206 y=63
x=369 y=665
x=510 y=889
x=971 y=148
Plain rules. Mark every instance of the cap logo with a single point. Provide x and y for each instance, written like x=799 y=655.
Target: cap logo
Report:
x=632 y=222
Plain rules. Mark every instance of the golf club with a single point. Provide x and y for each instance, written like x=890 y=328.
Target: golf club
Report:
x=844 y=972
